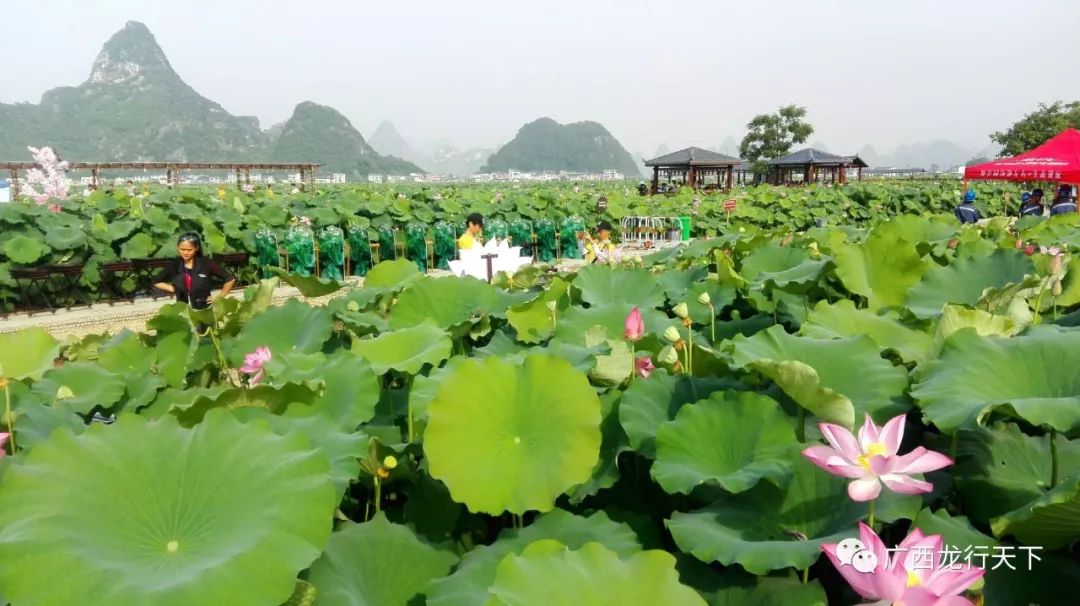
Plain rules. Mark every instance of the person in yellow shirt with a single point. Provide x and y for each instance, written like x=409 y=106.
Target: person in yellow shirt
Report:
x=599 y=249
x=474 y=229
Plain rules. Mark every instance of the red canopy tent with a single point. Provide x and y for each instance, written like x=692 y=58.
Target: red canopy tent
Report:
x=1056 y=160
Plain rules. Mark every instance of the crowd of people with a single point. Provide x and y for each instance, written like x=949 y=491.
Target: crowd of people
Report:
x=1031 y=204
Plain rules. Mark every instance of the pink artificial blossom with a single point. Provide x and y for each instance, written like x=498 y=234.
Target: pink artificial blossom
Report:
x=643 y=367
x=872 y=459
x=915 y=575
x=50 y=181
x=634 y=327
x=253 y=363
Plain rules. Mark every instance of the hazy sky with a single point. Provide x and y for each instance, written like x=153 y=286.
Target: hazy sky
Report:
x=681 y=73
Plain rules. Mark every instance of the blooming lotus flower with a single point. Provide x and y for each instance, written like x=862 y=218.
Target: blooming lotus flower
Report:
x=3 y=440
x=644 y=367
x=1053 y=251
x=248 y=188
x=634 y=327
x=872 y=459
x=916 y=575
x=254 y=361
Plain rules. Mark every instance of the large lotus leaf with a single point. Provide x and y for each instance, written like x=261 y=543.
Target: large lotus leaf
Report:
x=745 y=590
x=376 y=564
x=611 y=369
x=532 y=321
x=676 y=283
x=294 y=326
x=140 y=246
x=547 y=572
x=964 y=280
x=211 y=515
x=65 y=238
x=342 y=449
x=842 y=319
x=578 y=355
x=882 y=268
x=999 y=469
x=35 y=421
x=26 y=353
x=955 y=317
x=605 y=285
x=648 y=403
x=1032 y=377
x=1052 y=520
x=708 y=443
x=767 y=528
x=350 y=388
x=309 y=286
x=448 y=303
x=392 y=274
x=778 y=266
x=835 y=379
x=575 y=322
x=920 y=230
x=88 y=386
x=174 y=348
x=191 y=410
x=469 y=583
x=613 y=443
x=24 y=250
x=1070 y=284
x=406 y=350
x=513 y=437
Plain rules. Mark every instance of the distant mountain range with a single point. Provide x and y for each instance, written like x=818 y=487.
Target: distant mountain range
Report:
x=135 y=107
x=545 y=144
x=444 y=159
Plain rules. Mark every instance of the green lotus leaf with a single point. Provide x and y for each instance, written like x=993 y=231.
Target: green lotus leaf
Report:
x=1031 y=377
x=532 y=320
x=26 y=353
x=65 y=238
x=174 y=349
x=140 y=246
x=775 y=266
x=309 y=286
x=818 y=373
x=469 y=583
x=1052 y=520
x=964 y=280
x=882 y=268
x=342 y=448
x=376 y=563
x=842 y=319
x=448 y=303
x=431 y=511
x=127 y=356
x=513 y=437
x=605 y=285
x=999 y=469
x=211 y=515
x=392 y=274
x=24 y=250
x=578 y=355
x=406 y=350
x=614 y=368
x=191 y=410
x=295 y=326
x=919 y=229
x=766 y=528
x=1070 y=284
x=742 y=589
x=648 y=403
x=677 y=282
x=955 y=317
x=34 y=422
x=547 y=572
x=707 y=443
x=88 y=386
x=350 y=391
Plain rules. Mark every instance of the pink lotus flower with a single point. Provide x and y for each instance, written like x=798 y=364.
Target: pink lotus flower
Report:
x=634 y=327
x=3 y=440
x=916 y=575
x=643 y=367
x=872 y=459
x=247 y=188
x=253 y=363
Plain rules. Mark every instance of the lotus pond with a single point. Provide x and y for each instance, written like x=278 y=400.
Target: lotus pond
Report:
x=753 y=418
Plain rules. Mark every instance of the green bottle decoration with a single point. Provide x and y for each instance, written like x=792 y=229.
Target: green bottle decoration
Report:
x=300 y=242
x=266 y=252
x=416 y=245
x=445 y=245
x=545 y=240
x=359 y=250
x=332 y=252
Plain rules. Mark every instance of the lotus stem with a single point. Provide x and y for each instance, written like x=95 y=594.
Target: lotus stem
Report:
x=870 y=515
x=800 y=425
x=805 y=575
x=408 y=388
x=378 y=494
x=7 y=414
x=633 y=359
x=1053 y=458
x=712 y=323
x=690 y=350
x=1038 y=304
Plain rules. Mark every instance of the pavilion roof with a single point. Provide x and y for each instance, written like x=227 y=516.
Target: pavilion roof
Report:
x=693 y=156
x=815 y=156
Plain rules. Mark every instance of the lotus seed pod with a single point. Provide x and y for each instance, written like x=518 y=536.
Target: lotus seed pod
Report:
x=704 y=299
x=667 y=355
x=671 y=335
x=682 y=311
x=390 y=462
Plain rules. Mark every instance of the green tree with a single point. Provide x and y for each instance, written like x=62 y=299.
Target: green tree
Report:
x=1038 y=126
x=772 y=135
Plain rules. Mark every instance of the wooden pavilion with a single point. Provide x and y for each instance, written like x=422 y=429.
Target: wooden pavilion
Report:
x=695 y=167
x=813 y=166
x=172 y=170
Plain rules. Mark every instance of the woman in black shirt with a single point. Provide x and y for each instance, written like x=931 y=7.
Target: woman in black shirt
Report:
x=189 y=278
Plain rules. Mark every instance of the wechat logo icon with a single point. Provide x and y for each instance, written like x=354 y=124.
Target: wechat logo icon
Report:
x=852 y=552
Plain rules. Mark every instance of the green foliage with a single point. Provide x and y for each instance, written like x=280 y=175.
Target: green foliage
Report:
x=772 y=135
x=1037 y=127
